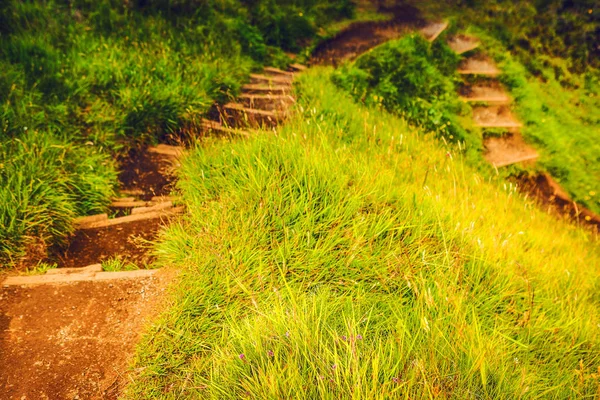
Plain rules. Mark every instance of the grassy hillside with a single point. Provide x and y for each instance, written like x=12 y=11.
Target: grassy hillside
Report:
x=80 y=80
x=352 y=256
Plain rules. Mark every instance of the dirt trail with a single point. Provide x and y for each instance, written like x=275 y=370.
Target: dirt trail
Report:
x=362 y=36
x=72 y=341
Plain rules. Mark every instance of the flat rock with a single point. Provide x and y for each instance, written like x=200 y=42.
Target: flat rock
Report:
x=478 y=66
x=432 y=30
x=495 y=117
x=463 y=43
x=507 y=150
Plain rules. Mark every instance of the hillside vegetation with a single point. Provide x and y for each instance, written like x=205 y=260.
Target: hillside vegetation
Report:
x=80 y=80
x=350 y=255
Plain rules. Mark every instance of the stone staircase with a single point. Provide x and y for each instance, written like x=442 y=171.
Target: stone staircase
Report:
x=490 y=102
x=263 y=103
x=144 y=202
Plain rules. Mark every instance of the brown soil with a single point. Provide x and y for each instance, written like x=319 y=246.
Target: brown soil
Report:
x=126 y=242
x=73 y=341
x=551 y=196
x=150 y=173
x=362 y=36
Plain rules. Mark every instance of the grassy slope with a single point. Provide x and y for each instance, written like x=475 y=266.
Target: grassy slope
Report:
x=80 y=80
x=351 y=256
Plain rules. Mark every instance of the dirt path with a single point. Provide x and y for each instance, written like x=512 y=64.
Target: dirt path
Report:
x=73 y=341
x=362 y=36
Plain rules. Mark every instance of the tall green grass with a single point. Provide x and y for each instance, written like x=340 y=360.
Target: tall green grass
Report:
x=353 y=256
x=415 y=79
x=81 y=80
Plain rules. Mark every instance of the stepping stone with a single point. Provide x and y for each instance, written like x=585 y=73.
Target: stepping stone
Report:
x=167 y=150
x=495 y=117
x=478 y=66
x=462 y=43
x=297 y=67
x=238 y=114
x=277 y=71
x=507 y=150
x=217 y=127
x=432 y=30
x=266 y=101
x=488 y=93
x=263 y=88
x=270 y=79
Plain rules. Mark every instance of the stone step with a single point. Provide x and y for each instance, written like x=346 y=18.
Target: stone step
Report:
x=270 y=79
x=495 y=117
x=152 y=207
x=507 y=150
x=478 y=66
x=491 y=93
x=83 y=222
x=267 y=102
x=130 y=204
x=432 y=30
x=84 y=270
x=217 y=127
x=297 y=67
x=167 y=150
x=239 y=115
x=132 y=192
x=90 y=273
x=461 y=44
x=277 y=72
x=101 y=222
x=264 y=88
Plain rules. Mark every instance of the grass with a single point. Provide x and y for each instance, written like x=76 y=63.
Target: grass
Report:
x=83 y=81
x=351 y=255
x=417 y=80
x=116 y=264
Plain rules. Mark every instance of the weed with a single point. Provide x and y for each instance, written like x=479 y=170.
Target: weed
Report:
x=114 y=264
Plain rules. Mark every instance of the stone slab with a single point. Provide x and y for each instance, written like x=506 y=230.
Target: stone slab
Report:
x=495 y=117
x=131 y=218
x=432 y=30
x=507 y=150
x=461 y=44
x=478 y=66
